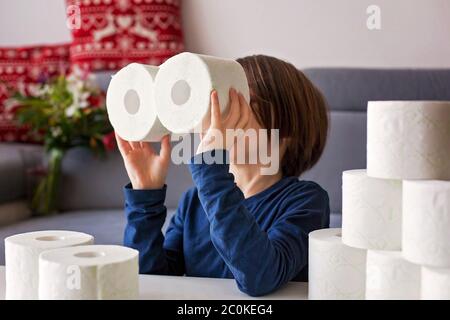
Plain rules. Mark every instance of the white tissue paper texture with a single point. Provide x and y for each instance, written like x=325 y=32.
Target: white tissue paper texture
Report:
x=391 y=277
x=336 y=271
x=99 y=272
x=426 y=222
x=408 y=140
x=22 y=258
x=435 y=284
x=371 y=211
x=184 y=84
x=130 y=102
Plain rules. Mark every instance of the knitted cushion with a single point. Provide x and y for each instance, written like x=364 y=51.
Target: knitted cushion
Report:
x=108 y=34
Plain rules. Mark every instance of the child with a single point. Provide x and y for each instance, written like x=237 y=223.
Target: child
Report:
x=236 y=222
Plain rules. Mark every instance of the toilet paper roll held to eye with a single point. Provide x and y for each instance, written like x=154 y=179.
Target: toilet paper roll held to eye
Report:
x=435 y=284
x=336 y=271
x=426 y=222
x=89 y=273
x=391 y=277
x=408 y=140
x=131 y=105
x=371 y=211
x=22 y=258
x=184 y=84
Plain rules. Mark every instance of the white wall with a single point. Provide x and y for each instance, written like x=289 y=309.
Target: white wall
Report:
x=24 y=22
x=323 y=32
x=414 y=33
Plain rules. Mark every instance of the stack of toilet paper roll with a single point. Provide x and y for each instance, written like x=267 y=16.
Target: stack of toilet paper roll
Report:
x=396 y=214
x=145 y=103
x=59 y=264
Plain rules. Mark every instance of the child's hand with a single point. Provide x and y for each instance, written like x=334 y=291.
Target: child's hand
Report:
x=146 y=169
x=237 y=118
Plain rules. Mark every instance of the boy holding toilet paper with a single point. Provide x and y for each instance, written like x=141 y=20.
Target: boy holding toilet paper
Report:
x=236 y=222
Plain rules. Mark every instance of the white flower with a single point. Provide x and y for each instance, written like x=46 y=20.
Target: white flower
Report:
x=34 y=90
x=75 y=84
x=56 y=131
x=79 y=84
x=44 y=89
x=79 y=101
x=70 y=111
x=82 y=79
x=84 y=99
x=10 y=104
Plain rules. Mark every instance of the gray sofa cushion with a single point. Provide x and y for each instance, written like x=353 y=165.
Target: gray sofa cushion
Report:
x=350 y=89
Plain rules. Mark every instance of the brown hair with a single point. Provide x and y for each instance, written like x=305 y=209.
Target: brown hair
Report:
x=283 y=98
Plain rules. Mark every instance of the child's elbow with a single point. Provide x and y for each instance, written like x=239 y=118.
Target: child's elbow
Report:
x=255 y=289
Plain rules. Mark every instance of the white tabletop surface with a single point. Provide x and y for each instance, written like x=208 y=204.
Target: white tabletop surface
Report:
x=179 y=288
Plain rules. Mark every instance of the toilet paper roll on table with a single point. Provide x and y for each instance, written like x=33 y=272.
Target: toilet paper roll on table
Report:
x=89 y=273
x=371 y=211
x=435 y=284
x=408 y=140
x=184 y=84
x=336 y=271
x=130 y=102
x=22 y=258
x=391 y=277
x=426 y=222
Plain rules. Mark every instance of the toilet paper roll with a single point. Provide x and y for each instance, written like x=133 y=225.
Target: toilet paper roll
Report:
x=22 y=258
x=89 y=273
x=184 y=84
x=426 y=222
x=391 y=277
x=435 y=284
x=130 y=102
x=408 y=140
x=371 y=211
x=336 y=271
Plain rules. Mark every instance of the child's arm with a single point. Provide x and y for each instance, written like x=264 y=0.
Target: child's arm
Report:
x=260 y=261
x=146 y=213
x=145 y=210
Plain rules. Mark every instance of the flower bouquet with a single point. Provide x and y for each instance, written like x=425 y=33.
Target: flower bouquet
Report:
x=64 y=112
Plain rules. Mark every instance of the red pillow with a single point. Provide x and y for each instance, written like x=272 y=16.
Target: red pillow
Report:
x=112 y=33
x=23 y=69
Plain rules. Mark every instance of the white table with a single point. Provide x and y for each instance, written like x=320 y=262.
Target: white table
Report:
x=180 y=288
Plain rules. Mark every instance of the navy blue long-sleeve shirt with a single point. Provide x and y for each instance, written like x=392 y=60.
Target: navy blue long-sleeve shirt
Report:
x=261 y=241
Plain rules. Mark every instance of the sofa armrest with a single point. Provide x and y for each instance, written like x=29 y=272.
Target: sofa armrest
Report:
x=14 y=211
x=14 y=160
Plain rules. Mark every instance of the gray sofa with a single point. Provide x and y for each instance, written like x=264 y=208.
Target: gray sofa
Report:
x=91 y=196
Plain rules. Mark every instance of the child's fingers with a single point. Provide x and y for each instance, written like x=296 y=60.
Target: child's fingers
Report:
x=147 y=146
x=165 y=148
x=233 y=102
x=234 y=113
x=135 y=145
x=215 y=110
x=124 y=146
x=245 y=112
